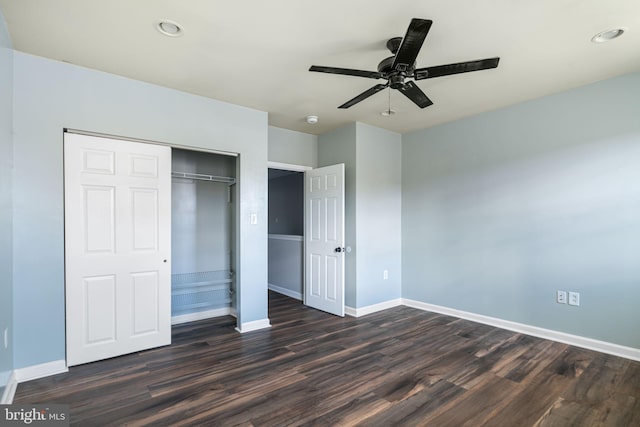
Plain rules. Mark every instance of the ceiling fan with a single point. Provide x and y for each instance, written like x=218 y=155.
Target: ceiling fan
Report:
x=400 y=67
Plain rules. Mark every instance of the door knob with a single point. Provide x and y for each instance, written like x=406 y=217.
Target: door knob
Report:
x=339 y=250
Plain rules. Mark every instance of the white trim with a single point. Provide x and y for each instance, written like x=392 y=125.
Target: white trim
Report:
x=253 y=326
x=288 y=167
x=363 y=311
x=575 y=340
x=293 y=237
x=285 y=291
x=40 y=371
x=200 y=315
x=9 y=390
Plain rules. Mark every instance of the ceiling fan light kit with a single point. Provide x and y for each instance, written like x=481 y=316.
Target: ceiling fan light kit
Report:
x=400 y=69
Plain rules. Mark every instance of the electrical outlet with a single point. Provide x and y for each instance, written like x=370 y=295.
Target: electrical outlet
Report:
x=561 y=297
x=574 y=298
x=385 y=274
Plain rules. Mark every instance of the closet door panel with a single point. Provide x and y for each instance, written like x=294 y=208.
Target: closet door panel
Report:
x=144 y=210
x=99 y=217
x=100 y=313
x=145 y=289
x=117 y=247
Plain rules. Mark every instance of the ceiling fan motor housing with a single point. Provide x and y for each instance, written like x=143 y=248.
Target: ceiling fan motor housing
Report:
x=396 y=81
x=396 y=78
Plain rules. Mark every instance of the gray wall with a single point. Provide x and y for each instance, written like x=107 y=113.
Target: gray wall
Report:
x=288 y=146
x=49 y=96
x=286 y=205
x=286 y=263
x=502 y=209
x=339 y=146
x=378 y=214
x=372 y=158
x=6 y=208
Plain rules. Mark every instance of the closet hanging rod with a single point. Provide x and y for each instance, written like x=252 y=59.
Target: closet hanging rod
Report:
x=203 y=177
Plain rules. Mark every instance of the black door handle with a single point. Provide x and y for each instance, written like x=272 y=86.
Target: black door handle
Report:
x=339 y=250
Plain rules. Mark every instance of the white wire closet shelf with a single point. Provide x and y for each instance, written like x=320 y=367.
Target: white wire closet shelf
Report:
x=203 y=177
x=199 y=290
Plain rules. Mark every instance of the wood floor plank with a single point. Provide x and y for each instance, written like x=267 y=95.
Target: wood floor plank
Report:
x=475 y=408
x=401 y=366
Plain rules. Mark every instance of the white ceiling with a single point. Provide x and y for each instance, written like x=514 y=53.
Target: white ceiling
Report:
x=257 y=53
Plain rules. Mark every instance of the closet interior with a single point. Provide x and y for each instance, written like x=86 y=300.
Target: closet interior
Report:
x=202 y=235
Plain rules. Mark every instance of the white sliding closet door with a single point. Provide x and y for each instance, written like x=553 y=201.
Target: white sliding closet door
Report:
x=117 y=247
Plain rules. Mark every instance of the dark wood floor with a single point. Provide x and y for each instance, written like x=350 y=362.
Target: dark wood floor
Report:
x=397 y=367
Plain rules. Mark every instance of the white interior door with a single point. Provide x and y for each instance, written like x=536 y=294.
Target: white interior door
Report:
x=324 y=239
x=117 y=247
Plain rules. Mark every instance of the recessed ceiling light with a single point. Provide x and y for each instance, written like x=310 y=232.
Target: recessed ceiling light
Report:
x=169 y=28
x=387 y=113
x=607 y=35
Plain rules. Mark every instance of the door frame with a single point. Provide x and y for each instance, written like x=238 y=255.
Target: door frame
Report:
x=293 y=168
x=176 y=146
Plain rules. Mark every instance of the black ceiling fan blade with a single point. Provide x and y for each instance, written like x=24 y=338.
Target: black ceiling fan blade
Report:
x=414 y=93
x=411 y=44
x=346 y=72
x=460 y=67
x=364 y=95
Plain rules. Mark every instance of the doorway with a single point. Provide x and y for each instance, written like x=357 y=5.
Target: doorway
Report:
x=286 y=232
x=309 y=264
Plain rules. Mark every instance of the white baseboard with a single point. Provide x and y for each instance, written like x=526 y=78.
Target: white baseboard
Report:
x=253 y=326
x=363 y=311
x=285 y=291
x=350 y=311
x=575 y=340
x=201 y=315
x=40 y=371
x=9 y=390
